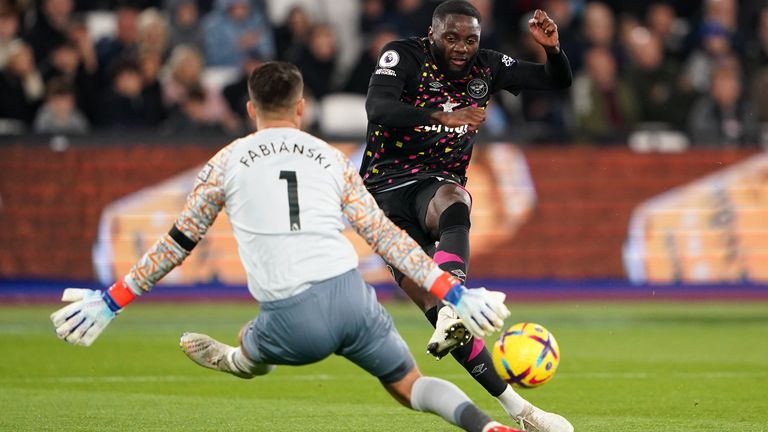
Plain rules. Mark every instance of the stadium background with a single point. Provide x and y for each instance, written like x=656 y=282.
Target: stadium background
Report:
x=648 y=170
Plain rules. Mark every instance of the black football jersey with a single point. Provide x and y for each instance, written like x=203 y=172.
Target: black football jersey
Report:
x=396 y=155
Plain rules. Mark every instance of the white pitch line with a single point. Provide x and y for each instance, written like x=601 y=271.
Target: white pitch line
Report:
x=326 y=377
x=160 y=378
x=644 y=375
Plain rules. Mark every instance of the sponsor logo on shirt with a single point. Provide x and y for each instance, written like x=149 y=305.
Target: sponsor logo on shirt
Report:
x=461 y=130
x=389 y=59
x=388 y=72
x=477 y=88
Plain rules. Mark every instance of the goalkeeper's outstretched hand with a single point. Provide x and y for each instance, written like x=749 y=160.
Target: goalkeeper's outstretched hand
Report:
x=81 y=322
x=482 y=311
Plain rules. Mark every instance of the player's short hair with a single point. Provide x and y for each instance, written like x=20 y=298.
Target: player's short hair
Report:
x=455 y=7
x=275 y=86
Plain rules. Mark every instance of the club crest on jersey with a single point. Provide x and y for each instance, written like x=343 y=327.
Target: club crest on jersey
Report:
x=477 y=88
x=389 y=59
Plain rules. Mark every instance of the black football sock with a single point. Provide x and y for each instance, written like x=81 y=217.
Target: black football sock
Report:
x=452 y=254
x=476 y=359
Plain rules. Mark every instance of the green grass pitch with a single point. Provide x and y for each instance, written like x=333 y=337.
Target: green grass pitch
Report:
x=667 y=367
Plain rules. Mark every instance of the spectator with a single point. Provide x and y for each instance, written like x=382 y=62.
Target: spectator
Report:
x=373 y=15
x=151 y=91
x=757 y=55
x=184 y=72
x=236 y=93
x=603 y=105
x=490 y=39
x=59 y=114
x=21 y=86
x=124 y=106
x=366 y=64
x=722 y=118
x=722 y=14
x=184 y=23
x=715 y=48
x=9 y=30
x=410 y=17
x=317 y=61
x=152 y=33
x=50 y=27
x=655 y=80
x=123 y=45
x=233 y=28
x=598 y=29
x=666 y=27
x=78 y=34
x=292 y=35
x=189 y=117
x=64 y=62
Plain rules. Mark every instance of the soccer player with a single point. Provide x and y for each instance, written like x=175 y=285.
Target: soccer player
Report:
x=425 y=102
x=285 y=193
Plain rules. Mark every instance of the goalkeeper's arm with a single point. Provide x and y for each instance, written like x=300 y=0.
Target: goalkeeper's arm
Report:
x=91 y=311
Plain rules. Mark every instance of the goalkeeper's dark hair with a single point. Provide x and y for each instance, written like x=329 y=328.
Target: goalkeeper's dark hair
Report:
x=455 y=7
x=275 y=86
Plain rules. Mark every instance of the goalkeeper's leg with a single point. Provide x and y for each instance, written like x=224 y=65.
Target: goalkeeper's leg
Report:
x=212 y=354
x=443 y=398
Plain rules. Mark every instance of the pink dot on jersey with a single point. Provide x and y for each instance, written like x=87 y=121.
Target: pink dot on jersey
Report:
x=414 y=171
x=412 y=157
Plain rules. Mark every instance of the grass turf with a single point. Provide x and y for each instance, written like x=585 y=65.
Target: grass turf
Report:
x=668 y=367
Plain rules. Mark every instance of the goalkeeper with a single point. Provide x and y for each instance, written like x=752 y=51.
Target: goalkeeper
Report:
x=285 y=192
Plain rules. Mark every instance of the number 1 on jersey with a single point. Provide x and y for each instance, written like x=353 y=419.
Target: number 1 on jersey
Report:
x=293 y=198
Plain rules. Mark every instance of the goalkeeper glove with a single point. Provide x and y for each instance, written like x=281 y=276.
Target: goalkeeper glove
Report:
x=482 y=311
x=82 y=321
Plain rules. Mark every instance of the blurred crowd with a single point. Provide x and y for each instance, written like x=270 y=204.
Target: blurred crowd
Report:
x=695 y=68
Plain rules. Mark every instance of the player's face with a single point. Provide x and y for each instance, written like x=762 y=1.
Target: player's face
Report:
x=455 y=41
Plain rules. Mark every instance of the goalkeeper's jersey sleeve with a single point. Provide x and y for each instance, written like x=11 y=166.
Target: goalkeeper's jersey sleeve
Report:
x=286 y=194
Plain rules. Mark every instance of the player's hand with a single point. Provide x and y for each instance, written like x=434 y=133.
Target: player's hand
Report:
x=469 y=116
x=482 y=311
x=544 y=31
x=81 y=322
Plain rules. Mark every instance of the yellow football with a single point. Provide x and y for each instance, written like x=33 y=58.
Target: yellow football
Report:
x=526 y=355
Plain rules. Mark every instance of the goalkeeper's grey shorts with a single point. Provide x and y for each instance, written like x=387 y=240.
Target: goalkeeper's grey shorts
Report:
x=336 y=316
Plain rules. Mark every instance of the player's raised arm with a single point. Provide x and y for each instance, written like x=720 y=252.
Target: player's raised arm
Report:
x=81 y=322
x=482 y=311
x=516 y=75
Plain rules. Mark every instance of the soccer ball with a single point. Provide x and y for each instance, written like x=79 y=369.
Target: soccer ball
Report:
x=526 y=355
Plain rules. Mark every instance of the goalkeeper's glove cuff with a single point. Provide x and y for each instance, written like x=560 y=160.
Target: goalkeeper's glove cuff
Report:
x=447 y=287
x=118 y=296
